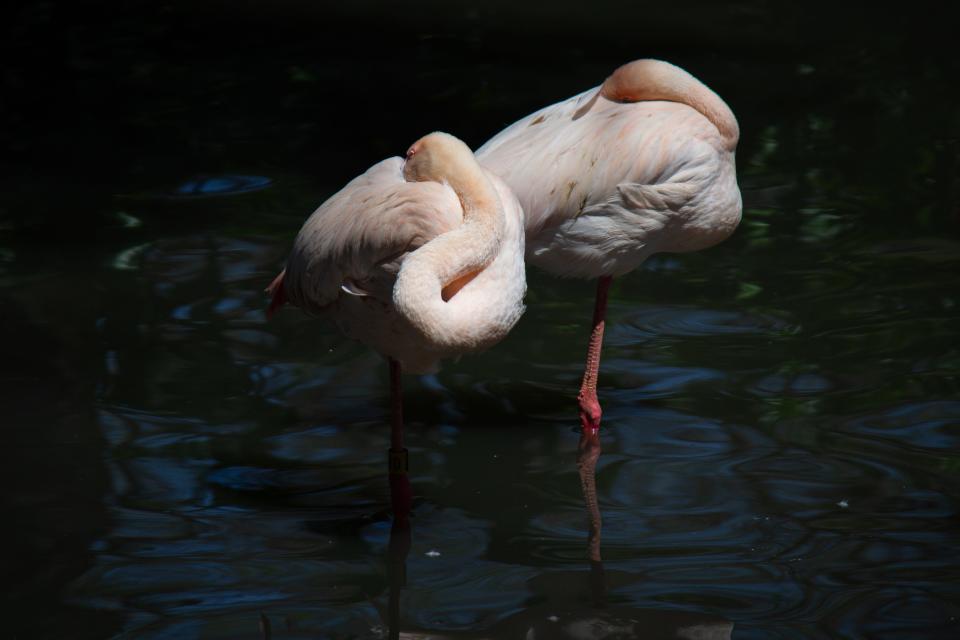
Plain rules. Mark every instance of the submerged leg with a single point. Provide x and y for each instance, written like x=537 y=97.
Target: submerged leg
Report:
x=589 y=405
x=400 y=494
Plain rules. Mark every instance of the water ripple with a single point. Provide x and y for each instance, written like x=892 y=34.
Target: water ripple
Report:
x=646 y=322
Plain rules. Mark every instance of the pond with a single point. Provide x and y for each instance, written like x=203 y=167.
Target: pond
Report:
x=779 y=452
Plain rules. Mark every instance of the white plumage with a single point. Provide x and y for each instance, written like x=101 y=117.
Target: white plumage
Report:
x=622 y=171
x=421 y=259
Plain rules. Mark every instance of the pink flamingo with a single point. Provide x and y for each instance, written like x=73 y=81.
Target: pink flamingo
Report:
x=642 y=164
x=422 y=259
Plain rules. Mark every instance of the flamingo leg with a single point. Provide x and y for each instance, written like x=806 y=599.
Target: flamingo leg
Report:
x=590 y=412
x=401 y=496
x=396 y=407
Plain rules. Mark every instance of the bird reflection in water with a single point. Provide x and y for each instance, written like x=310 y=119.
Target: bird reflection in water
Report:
x=400 y=538
x=558 y=615
x=588 y=452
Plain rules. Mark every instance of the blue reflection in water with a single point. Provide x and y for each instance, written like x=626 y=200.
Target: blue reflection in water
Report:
x=220 y=186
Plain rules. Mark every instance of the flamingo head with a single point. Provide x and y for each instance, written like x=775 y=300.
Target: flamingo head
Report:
x=434 y=157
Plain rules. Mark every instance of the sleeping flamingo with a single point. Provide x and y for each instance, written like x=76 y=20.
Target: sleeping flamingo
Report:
x=422 y=259
x=642 y=164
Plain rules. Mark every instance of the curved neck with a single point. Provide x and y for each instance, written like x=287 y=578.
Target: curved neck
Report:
x=483 y=220
x=657 y=80
x=418 y=292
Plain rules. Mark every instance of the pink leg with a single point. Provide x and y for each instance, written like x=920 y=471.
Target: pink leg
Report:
x=401 y=495
x=589 y=405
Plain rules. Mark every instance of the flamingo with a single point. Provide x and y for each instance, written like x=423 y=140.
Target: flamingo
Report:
x=642 y=164
x=420 y=258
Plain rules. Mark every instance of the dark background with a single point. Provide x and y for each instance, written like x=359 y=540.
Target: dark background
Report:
x=106 y=101
x=136 y=92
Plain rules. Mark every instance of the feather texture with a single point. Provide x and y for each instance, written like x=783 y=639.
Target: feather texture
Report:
x=606 y=183
x=382 y=229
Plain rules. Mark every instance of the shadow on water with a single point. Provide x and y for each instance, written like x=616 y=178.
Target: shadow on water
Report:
x=51 y=468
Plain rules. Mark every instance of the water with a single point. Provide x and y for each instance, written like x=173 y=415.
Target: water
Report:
x=779 y=452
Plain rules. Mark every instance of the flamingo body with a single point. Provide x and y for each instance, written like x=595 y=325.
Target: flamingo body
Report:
x=640 y=165
x=351 y=252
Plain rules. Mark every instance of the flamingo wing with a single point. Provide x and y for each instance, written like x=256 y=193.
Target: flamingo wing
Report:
x=354 y=242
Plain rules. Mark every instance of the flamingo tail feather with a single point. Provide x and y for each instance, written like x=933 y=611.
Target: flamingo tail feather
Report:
x=278 y=295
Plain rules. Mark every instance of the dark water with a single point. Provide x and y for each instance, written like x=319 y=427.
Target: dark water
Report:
x=782 y=419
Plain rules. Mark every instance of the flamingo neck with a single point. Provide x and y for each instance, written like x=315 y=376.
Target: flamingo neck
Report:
x=454 y=256
x=657 y=80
